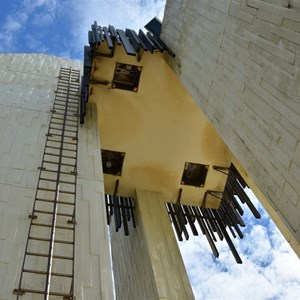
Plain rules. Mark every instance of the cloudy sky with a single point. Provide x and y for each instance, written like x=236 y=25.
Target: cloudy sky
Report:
x=270 y=269
x=60 y=27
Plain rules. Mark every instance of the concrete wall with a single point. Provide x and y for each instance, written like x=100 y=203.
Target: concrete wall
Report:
x=27 y=85
x=147 y=263
x=240 y=60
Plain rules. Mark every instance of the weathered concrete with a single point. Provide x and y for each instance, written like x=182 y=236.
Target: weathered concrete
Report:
x=27 y=85
x=240 y=60
x=147 y=263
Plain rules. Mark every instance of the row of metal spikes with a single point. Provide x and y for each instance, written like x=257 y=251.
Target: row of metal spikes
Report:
x=214 y=223
x=121 y=209
x=132 y=42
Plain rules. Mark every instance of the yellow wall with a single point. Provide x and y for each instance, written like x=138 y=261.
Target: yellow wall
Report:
x=160 y=128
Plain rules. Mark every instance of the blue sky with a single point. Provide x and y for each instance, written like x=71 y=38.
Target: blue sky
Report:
x=60 y=27
x=270 y=269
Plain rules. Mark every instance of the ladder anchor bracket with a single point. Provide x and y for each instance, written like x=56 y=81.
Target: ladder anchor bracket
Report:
x=69 y=298
x=72 y=222
x=32 y=217
x=18 y=292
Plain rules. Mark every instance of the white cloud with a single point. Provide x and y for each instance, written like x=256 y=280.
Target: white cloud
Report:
x=43 y=19
x=132 y=14
x=77 y=17
x=12 y=24
x=270 y=269
x=33 y=44
x=16 y=23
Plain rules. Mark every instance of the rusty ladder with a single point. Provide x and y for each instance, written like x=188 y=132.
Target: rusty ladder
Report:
x=48 y=264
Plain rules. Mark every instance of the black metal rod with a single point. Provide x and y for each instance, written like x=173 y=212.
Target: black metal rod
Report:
x=124 y=219
x=127 y=45
x=116 y=187
x=236 y=173
x=109 y=41
x=126 y=204
x=96 y=33
x=207 y=234
x=208 y=223
x=114 y=34
x=107 y=209
x=219 y=231
x=174 y=220
x=147 y=42
x=116 y=212
x=237 y=205
x=190 y=218
x=181 y=220
x=132 y=212
x=229 y=242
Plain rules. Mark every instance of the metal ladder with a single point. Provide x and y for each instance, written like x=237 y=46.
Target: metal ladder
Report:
x=48 y=265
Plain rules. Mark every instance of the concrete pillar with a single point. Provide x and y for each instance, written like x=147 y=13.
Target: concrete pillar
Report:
x=93 y=265
x=148 y=263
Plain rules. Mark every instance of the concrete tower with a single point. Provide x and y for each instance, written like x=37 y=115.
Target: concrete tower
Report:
x=174 y=124
x=240 y=62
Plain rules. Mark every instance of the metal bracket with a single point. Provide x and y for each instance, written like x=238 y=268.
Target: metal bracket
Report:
x=224 y=170
x=32 y=217
x=18 y=292
x=179 y=196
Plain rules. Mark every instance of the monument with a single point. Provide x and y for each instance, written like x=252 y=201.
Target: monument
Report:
x=154 y=137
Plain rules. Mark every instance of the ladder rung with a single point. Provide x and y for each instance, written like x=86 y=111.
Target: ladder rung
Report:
x=60 y=129
x=63 y=83
x=66 y=98
x=69 y=103
x=49 y=226
x=62 y=119
x=66 y=95
x=71 y=89
x=64 y=149
x=68 y=115
x=47 y=255
x=61 y=172
x=56 y=123
x=49 y=240
x=46 y=212
x=71 y=97
x=57 y=155
x=67 y=85
x=52 y=201
x=63 y=109
x=56 y=163
x=31 y=291
x=60 y=135
x=54 y=180
x=45 y=273
x=70 y=106
x=64 y=142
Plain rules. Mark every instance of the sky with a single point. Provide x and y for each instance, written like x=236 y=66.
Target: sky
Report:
x=270 y=269
x=60 y=27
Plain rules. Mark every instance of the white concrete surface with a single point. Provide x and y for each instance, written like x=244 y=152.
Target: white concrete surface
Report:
x=27 y=85
x=240 y=60
x=149 y=258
